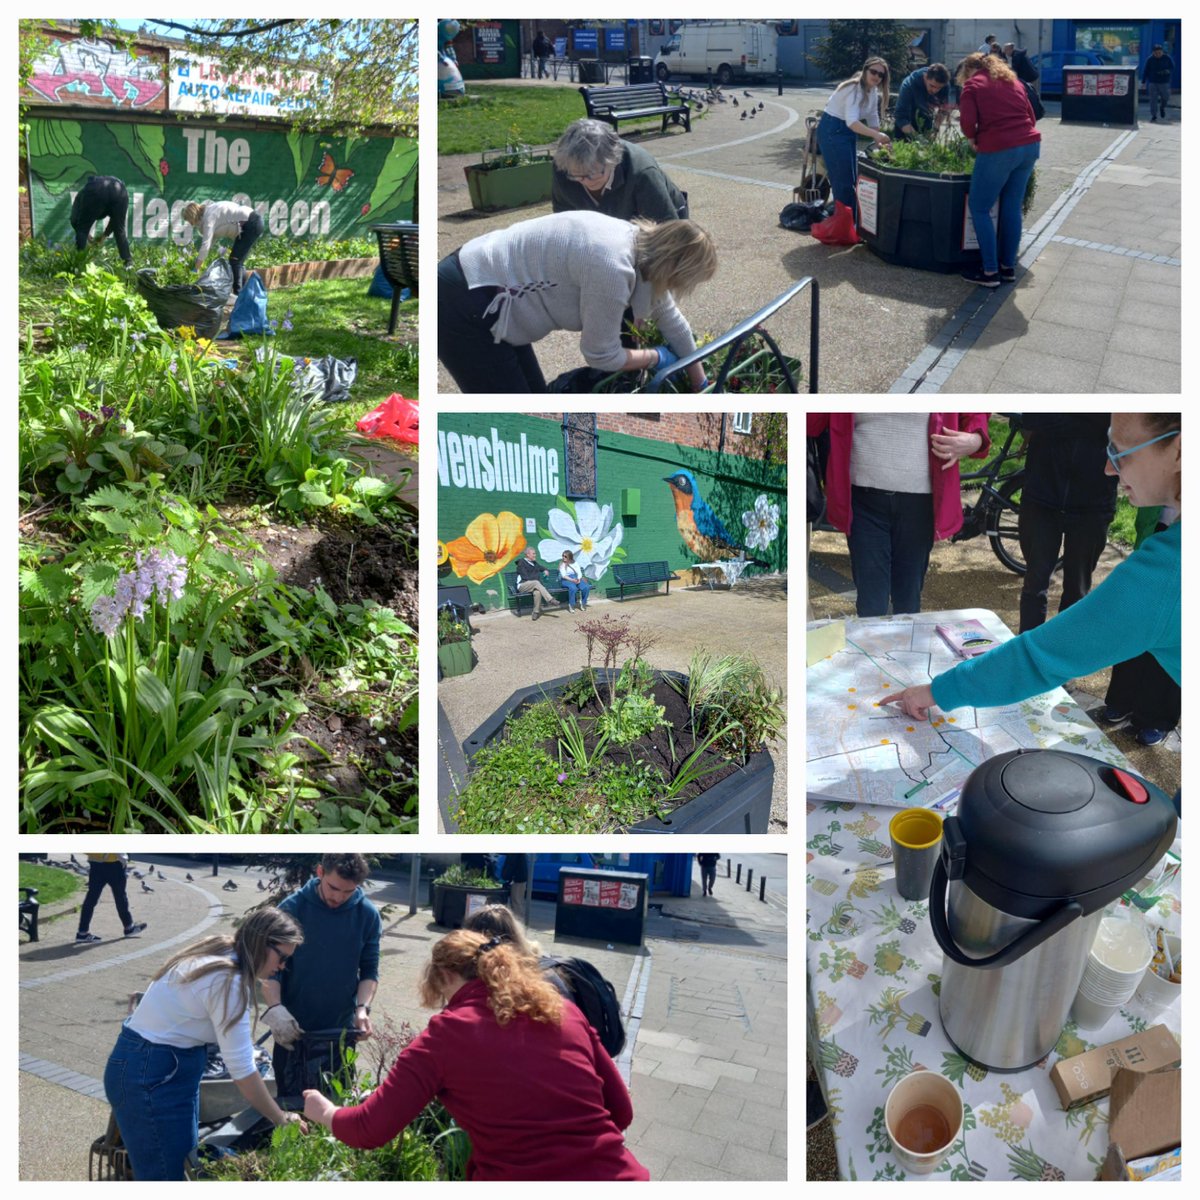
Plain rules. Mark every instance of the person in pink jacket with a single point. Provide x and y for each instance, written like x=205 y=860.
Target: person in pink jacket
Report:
x=891 y=486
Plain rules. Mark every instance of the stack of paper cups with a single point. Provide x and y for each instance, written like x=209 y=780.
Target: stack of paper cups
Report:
x=1117 y=962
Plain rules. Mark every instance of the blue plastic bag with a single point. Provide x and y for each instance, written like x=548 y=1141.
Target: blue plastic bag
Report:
x=249 y=312
x=382 y=288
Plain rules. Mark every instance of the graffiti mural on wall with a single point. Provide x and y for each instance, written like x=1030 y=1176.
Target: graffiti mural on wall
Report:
x=92 y=71
x=303 y=184
x=586 y=529
x=701 y=529
x=490 y=543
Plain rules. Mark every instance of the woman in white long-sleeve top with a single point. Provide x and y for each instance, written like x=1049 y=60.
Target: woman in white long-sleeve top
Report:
x=855 y=109
x=502 y=292
x=224 y=219
x=203 y=994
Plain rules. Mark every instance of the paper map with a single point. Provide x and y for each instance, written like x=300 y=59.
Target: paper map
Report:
x=863 y=751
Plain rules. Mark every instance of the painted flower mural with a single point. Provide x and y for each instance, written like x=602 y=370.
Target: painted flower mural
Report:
x=586 y=529
x=489 y=545
x=762 y=524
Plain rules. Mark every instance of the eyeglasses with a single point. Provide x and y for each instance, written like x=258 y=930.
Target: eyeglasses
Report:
x=1115 y=455
x=875 y=71
x=581 y=177
x=284 y=959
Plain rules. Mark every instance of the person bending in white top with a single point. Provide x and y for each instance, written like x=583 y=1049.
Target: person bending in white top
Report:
x=223 y=218
x=202 y=994
x=855 y=109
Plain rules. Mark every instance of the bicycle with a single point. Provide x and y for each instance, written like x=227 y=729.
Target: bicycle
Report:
x=996 y=510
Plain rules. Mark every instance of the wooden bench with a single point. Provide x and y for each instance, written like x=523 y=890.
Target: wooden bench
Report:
x=630 y=103
x=398 y=245
x=551 y=582
x=644 y=574
x=27 y=913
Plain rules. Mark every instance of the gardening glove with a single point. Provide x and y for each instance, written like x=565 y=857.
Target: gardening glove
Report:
x=283 y=1025
x=666 y=357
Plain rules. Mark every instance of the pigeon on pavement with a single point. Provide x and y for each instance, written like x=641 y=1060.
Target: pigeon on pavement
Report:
x=229 y=886
x=189 y=878
x=146 y=887
x=162 y=877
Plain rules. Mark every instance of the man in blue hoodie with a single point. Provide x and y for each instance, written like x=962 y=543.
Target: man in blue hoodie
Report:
x=331 y=979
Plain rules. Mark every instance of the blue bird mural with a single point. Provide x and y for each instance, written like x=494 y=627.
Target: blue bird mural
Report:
x=699 y=526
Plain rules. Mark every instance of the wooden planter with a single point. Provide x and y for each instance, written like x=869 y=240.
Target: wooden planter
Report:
x=456 y=658
x=290 y=274
x=493 y=188
x=739 y=803
x=450 y=901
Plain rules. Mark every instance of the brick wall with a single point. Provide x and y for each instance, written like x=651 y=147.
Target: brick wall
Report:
x=699 y=430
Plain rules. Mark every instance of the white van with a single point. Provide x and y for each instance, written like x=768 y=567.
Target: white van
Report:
x=730 y=49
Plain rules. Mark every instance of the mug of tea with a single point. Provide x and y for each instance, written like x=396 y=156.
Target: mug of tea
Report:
x=916 y=835
x=924 y=1117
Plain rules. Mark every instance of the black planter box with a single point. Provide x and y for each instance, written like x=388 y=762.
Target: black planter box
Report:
x=1083 y=100
x=739 y=803
x=449 y=901
x=913 y=218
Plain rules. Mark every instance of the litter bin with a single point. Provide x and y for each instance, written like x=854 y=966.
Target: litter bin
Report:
x=604 y=906
x=1105 y=95
x=640 y=70
x=591 y=70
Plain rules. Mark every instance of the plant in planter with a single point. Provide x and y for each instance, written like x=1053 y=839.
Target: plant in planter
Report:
x=451 y=891
x=454 y=645
x=510 y=177
x=608 y=749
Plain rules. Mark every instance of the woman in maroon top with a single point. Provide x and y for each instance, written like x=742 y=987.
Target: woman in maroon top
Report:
x=998 y=120
x=516 y=1065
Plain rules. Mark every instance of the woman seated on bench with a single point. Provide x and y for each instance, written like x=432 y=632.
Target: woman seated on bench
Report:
x=502 y=292
x=596 y=170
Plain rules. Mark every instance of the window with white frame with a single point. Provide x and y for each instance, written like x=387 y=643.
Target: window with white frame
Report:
x=742 y=422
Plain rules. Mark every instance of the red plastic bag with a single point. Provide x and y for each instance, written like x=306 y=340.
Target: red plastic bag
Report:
x=394 y=418
x=839 y=229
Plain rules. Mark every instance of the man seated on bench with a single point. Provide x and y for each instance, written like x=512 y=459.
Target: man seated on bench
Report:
x=529 y=575
x=595 y=169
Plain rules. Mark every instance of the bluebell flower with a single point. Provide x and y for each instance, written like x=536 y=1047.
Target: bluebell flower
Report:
x=287 y=325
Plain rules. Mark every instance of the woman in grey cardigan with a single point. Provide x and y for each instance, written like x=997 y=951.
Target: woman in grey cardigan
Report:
x=597 y=171
x=502 y=292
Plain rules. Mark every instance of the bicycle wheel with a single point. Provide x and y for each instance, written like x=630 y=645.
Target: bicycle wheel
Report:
x=1002 y=518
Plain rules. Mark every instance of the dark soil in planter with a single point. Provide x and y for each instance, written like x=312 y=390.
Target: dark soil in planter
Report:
x=655 y=747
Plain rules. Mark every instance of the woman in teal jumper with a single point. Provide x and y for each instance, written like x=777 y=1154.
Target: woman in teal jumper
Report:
x=1136 y=609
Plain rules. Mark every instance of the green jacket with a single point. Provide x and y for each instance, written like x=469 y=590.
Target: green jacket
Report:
x=640 y=188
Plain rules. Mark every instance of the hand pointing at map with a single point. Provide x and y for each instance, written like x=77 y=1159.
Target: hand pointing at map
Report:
x=915 y=701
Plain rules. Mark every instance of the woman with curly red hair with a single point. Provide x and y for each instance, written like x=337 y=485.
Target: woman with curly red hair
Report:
x=518 y=1068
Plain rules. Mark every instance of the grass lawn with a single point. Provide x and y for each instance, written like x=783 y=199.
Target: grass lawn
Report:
x=492 y=115
x=52 y=883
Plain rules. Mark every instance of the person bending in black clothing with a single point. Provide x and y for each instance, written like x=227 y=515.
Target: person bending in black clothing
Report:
x=1067 y=505
x=102 y=196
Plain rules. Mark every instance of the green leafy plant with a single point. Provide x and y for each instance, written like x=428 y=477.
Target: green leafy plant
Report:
x=97 y=310
x=456 y=875
x=451 y=630
x=573 y=744
x=630 y=717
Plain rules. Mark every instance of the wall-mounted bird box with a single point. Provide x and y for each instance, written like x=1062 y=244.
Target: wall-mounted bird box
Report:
x=631 y=502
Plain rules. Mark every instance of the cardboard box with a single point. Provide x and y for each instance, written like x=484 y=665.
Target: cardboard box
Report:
x=1145 y=1118
x=1086 y=1076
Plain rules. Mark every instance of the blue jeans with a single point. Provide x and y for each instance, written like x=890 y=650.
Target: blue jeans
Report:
x=582 y=587
x=154 y=1091
x=839 y=149
x=891 y=535
x=1003 y=174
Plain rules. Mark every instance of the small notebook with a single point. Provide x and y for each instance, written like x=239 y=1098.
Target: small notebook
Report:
x=967 y=639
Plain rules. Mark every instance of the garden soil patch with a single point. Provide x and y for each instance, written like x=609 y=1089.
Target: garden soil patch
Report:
x=353 y=564
x=655 y=748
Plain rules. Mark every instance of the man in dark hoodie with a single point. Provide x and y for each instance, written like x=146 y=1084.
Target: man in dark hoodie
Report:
x=331 y=979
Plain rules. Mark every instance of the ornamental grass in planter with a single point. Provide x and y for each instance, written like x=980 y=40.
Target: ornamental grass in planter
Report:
x=614 y=746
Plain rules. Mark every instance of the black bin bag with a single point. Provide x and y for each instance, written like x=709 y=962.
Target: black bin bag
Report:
x=200 y=304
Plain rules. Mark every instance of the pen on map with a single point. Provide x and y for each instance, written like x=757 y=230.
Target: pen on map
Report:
x=913 y=791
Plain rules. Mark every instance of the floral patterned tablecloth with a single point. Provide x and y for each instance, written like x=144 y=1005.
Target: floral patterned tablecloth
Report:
x=874 y=974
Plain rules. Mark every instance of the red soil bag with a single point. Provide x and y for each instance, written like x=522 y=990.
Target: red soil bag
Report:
x=394 y=418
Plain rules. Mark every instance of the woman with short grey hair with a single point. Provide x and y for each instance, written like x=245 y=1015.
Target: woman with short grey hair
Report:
x=597 y=171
